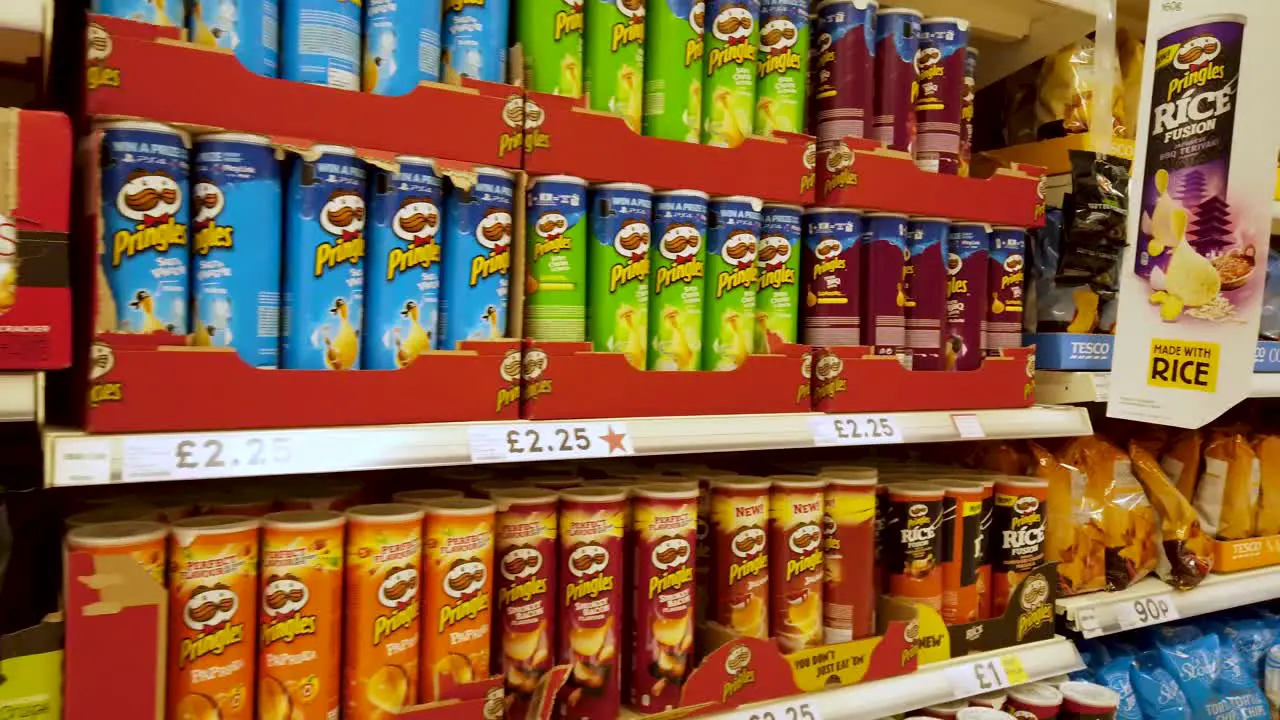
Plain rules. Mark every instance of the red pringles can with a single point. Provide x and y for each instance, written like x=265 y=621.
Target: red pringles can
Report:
x=795 y=561
x=844 y=82
x=940 y=93
x=1034 y=701
x=849 y=525
x=926 y=292
x=664 y=518
x=885 y=259
x=1006 y=256
x=1019 y=526
x=592 y=527
x=740 y=555
x=966 y=109
x=897 y=41
x=913 y=533
x=1088 y=701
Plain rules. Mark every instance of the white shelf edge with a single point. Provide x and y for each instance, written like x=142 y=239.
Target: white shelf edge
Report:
x=929 y=685
x=1060 y=387
x=20 y=396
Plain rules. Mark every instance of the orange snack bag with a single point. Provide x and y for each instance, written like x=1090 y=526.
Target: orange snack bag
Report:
x=1267 y=448
x=1128 y=520
x=1188 y=552
x=1227 y=496
x=1002 y=457
x=1181 y=461
x=1074 y=537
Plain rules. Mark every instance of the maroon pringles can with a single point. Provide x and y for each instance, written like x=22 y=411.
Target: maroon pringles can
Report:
x=844 y=87
x=1087 y=701
x=1034 y=701
x=832 y=273
x=897 y=40
x=967 y=245
x=589 y=629
x=884 y=292
x=1002 y=327
x=943 y=711
x=926 y=289
x=940 y=93
x=966 y=109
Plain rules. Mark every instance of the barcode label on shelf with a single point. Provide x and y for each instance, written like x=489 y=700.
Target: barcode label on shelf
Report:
x=856 y=430
x=796 y=709
x=190 y=457
x=969 y=427
x=528 y=442
x=1153 y=610
x=985 y=676
x=83 y=462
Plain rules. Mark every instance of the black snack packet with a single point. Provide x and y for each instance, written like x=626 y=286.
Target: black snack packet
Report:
x=1095 y=238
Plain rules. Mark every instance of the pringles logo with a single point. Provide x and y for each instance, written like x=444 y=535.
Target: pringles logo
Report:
x=209 y=611
x=804 y=541
x=98 y=47
x=399 y=594
x=520 y=567
x=588 y=562
x=465 y=583
x=209 y=203
x=151 y=199
x=342 y=217
x=748 y=545
x=534 y=138
x=1036 y=610
x=534 y=365
x=416 y=222
x=1185 y=114
x=839 y=164
x=670 y=557
x=739 y=253
x=828 y=254
x=694 y=46
x=631 y=242
x=283 y=599
x=568 y=21
x=738 y=665
x=493 y=232
x=550 y=229
x=513 y=118
x=679 y=244
x=509 y=371
x=777 y=38
x=733 y=27
x=774 y=252
x=631 y=29
x=828 y=372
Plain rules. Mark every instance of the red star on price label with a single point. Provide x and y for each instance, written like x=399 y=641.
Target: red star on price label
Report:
x=615 y=440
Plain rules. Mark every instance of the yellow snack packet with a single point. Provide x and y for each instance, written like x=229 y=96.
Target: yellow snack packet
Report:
x=1227 y=495
x=1128 y=520
x=1181 y=461
x=1188 y=552
x=1074 y=537
x=1267 y=448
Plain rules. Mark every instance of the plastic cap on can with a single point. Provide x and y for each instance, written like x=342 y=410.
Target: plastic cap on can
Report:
x=983 y=713
x=1089 y=694
x=1038 y=694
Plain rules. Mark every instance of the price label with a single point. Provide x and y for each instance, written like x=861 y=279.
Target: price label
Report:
x=1146 y=611
x=856 y=430
x=793 y=710
x=549 y=441
x=189 y=457
x=985 y=676
x=1087 y=623
x=969 y=427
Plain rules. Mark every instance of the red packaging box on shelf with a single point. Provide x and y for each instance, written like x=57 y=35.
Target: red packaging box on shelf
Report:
x=35 y=212
x=131 y=69
x=563 y=136
x=855 y=380
x=565 y=380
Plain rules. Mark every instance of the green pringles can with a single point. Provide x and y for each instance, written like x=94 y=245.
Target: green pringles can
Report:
x=673 y=71
x=783 y=68
x=618 y=270
x=555 y=288
x=615 y=58
x=550 y=35
x=778 y=260
x=728 y=316
x=679 y=277
x=729 y=88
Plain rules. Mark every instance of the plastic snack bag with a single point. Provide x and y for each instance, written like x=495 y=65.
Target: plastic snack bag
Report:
x=1159 y=696
x=1188 y=552
x=1192 y=658
x=1227 y=496
x=1252 y=639
x=1068 y=79
x=1115 y=675
x=1181 y=461
x=1269 y=325
x=1267 y=448
x=1094 y=243
x=1128 y=520
x=1074 y=536
x=1001 y=457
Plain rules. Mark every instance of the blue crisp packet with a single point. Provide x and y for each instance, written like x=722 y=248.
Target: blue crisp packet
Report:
x=1115 y=675
x=1192 y=658
x=1159 y=696
x=1252 y=638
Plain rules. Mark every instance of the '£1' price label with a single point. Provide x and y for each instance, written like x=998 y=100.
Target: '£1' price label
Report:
x=549 y=441
x=856 y=430
x=985 y=676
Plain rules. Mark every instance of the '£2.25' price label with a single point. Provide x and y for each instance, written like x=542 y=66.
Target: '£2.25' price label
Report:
x=188 y=457
x=549 y=441
x=856 y=430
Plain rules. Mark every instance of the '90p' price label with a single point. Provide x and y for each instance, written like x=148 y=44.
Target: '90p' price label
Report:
x=856 y=430
x=1146 y=611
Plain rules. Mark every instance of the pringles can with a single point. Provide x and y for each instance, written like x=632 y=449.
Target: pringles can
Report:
x=324 y=244
x=402 y=290
x=739 y=538
x=593 y=524
x=961 y=539
x=966 y=109
x=778 y=263
x=966 y=294
x=213 y=582
x=477 y=249
x=618 y=269
x=845 y=36
x=729 y=309
x=729 y=92
x=914 y=543
x=419 y=497
x=401 y=45
x=300 y=612
x=673 y=69
x=1002 y=327
x=171 y=14
x=849 y=539
x=142 y=540
x=939 y=103
x=247 y=27
x=555 y=290
x=1019 y=524
x=383 y=609
x=475 y=39
x=832 y=272
x=333 y=61
x=783 y=66
x=144 y=225
x=897 y=40
x=884 y=277
x=927 y=279
x=615 y=58
x=550 y=37
x=796 y=567
x=679 y=272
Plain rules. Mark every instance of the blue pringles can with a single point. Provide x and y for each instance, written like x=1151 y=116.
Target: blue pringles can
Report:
x=475 y=38
x=402 y=306
x=678 y=272
x=321 y=44
x=477 y=259
x=324 y=244
x=236 y=227
x=250 y=28
x=144 y=225
x=170 y=14
x=401 y=45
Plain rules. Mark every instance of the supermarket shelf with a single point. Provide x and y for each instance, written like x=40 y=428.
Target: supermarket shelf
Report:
x=1066 y=388
x=930 y=685
x=20 y=396
x=1104 y=613
x=75 y=458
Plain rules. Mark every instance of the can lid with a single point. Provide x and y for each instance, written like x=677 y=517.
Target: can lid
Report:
x=247 y=138
x=958 y=484
x=849 y=476
x=995 y=699
x=985 y=227
x=899 y=11
x=982 y=713
x=904 y=216
x=385 y=513
x=415 y=160
x=113 y=513
x=797 y=481
x=414 y=497
x=458 y=507
x=710 y=474
x=860 y=4
x=116 y=534
x=333 y=150
x=554 y=482
x=1091 y=694
x=468 y=474
x=687 y=490
x=304 y=519
x=960 y=23
x=637 y=187
x=485 y=486
x=951 y=707
x=743 y=482
x=918 y=490
x=683 y=193
x=1008 y=228
x=680 y=467
x=486 y=170
x=1013 y=481
x=185 y=531
x=569 y=179
x=1056 y=680
x=930 y=219
x=825 y=210
x=783 y=206
x=590 y=494
x=625 y=483
x=505 y=498
x=149 y=125
x=972 y=49
x=755 y=202
x=1036 y=694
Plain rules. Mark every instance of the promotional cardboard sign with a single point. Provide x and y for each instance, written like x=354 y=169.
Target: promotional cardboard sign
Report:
x=1199 y=213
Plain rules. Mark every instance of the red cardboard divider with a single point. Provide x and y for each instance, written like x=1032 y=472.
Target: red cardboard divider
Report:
x=140 y=70
x=565 y=381
x=863 y=174
x=856 y=380
x=563 y=136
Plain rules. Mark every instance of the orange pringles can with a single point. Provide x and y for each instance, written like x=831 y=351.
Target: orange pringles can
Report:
x=457 y=594
x=525 y=566
x=913 y=532
x=142 y=540
x=213 y=590
x=796 y=567
x=1018 y=526
x=962 y=510
x=300 y=615
x=740 y=554
x=665 y=523
x=592 y=527
x=383 y=603
x=849 y=529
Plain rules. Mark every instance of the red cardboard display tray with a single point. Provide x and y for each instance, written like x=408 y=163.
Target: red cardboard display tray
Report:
x=863 y=174
x=140 y=384
x=563 y=136
x=132 y=70
x=564 y=381
x=856 y=380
